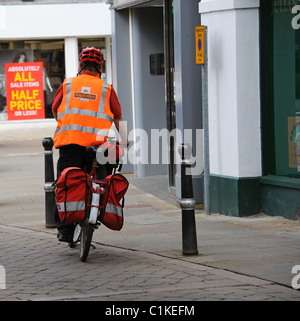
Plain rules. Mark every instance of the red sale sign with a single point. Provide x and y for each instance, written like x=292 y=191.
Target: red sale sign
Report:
x=24 y=91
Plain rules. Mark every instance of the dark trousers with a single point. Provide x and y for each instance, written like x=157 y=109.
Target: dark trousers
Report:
x=74 y=156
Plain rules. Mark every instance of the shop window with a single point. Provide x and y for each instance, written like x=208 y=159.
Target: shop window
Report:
x=284 y=101
x=50 y=53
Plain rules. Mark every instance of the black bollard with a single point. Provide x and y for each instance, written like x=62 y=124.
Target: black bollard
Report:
x=48 y=186
x=187 y=203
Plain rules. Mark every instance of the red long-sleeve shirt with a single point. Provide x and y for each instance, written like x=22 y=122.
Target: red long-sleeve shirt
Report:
x=114 y=101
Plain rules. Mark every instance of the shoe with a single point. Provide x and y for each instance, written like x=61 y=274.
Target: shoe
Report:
x=65 y=238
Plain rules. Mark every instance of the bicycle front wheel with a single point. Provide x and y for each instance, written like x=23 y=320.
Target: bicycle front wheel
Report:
x=87 y=230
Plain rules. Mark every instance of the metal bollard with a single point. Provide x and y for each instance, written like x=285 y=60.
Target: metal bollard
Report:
x=187 y=203
x=48 y=186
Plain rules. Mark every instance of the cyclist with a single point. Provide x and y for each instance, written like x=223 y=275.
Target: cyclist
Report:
x=84 y=109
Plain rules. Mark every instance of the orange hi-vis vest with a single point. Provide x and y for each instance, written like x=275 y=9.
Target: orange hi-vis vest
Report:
x=84 y=116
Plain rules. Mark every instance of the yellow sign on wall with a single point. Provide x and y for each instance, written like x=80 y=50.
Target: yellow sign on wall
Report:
x=199 y=45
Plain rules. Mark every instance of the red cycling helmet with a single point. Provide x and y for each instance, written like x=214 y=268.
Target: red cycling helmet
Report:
x=91 y=54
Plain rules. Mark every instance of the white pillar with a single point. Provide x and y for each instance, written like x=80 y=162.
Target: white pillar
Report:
x=233 y=84
x=71 y=57
x=108 y=59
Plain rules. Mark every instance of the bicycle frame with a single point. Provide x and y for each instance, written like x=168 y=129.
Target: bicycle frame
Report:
x=96 y=189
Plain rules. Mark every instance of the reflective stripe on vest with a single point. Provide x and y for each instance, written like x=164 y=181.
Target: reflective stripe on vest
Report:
x=82 y=129
x=71 y=206
x=114 y=209
x=84 y=112
x=74 y=127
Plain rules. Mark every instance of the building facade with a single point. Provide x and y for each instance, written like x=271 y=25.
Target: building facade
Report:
x=253 y=86
x=253 y=106
x=156 y=77
x=253 y=89
x=51 y=32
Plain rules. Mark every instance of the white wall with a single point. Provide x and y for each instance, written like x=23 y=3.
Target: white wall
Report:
x=233 y=85
x=54 y=21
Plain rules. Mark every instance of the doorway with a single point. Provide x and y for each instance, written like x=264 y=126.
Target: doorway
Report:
x=170 y=87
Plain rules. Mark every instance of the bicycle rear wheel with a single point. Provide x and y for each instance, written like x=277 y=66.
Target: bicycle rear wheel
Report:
x=87 y=230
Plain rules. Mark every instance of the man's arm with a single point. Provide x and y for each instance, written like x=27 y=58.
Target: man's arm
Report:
x=57 y=101
x=121 y=128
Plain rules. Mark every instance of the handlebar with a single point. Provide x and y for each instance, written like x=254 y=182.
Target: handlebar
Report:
x=106 y=153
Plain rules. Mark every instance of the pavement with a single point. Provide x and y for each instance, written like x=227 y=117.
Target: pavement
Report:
x=255 y=258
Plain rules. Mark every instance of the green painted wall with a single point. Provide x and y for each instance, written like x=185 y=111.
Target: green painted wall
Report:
x=235 y=196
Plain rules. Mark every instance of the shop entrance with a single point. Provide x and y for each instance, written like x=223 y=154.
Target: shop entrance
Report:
x=163 y=64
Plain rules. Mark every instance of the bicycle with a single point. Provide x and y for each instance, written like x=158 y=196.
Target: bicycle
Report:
x=83 y=231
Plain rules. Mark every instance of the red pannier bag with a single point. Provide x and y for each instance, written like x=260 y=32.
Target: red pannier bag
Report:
x=71 y=195
x=111 y=211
